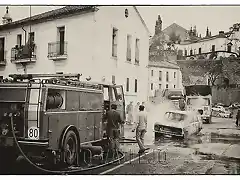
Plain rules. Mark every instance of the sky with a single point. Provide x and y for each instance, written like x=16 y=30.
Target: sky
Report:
x=217 y=18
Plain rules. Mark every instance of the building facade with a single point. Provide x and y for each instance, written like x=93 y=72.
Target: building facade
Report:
x=222 y=45
x=104 y=44
x=163 y=75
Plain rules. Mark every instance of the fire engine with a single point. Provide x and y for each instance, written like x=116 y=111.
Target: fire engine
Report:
x=54 y=115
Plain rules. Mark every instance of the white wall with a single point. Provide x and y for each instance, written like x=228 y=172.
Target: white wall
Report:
x=89 y=48
x=114 y=17
x=206 y=45
x=172 y=81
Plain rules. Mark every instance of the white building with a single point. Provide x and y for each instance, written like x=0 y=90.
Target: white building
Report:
x=163 y=75
x=224 y=44
x=107 y=43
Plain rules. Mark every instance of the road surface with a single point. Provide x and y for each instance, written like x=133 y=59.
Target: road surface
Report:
x=215 y=150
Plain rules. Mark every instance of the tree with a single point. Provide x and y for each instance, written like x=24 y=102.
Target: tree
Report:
x=200 y=68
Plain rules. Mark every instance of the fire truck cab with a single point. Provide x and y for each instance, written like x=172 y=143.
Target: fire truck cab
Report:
x=54 y=115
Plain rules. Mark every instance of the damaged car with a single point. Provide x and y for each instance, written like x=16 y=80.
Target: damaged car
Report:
x=178 y=124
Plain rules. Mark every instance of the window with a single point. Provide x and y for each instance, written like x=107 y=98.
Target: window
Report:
x=174 y=75
x=129 y=44
x=167 y=76
x=191 y=52
x=151 y=72
x=199 y=50
x=185 y=52
x=166 y=86
x=137 y=51
x=114 y=42
x=113 y=79
x=136 y=85
x=2 y=49
x=229 y=48
x=31 y=36
x=19 y=40
x=160 y=86
x=151 y=86
x=213 y=48
x=31 y=39
x=114 y=98
x=127 y=86
x=106 y=94
x=61 y=40
x=119 y=93
x=160 y=75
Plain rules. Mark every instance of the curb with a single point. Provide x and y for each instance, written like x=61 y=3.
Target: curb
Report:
x=219 y=157
x=215 y=135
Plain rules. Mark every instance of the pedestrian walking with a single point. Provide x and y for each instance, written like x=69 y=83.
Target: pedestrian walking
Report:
x=114 y=121
x=130 y=113
x=141 y=128
x=237 y=118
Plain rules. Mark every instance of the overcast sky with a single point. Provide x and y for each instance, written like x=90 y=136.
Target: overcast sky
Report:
x=215 y=17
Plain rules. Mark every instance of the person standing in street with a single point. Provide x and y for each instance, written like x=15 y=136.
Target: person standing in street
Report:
x=130 y=113
x=114 y=121
x=141 y=128
x=237 y=118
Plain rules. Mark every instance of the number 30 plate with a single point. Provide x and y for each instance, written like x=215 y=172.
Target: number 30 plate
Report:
x=33 y=133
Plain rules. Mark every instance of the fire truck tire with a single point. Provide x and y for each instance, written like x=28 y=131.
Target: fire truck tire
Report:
x=70 y=147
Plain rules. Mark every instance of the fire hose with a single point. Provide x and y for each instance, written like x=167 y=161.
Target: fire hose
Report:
x=62 y=171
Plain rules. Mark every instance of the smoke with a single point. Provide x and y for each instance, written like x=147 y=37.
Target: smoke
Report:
x=156 y=111
x=198 y=101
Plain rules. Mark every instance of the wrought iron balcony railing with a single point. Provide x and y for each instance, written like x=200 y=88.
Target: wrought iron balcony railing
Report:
x=57 y=50
x=3 y=57
x=26 y=53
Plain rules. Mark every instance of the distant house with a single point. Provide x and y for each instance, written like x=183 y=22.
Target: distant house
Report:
x=163 y=75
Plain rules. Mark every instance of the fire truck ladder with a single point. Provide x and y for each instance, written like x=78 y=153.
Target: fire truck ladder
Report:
x=34 y=104
x=41 y=76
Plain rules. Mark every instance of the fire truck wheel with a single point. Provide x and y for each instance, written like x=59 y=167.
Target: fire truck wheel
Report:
x=70 y=147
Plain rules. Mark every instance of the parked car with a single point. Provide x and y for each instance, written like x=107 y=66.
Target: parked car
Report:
x=234 y=106
x=225 y=114
x=178 y=124
x=218 y=108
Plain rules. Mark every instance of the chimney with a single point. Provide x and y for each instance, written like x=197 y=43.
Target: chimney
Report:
x=221 y=34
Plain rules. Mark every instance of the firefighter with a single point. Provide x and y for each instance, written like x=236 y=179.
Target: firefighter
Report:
x=141 y=128
x=182 y=104
x=114 y=121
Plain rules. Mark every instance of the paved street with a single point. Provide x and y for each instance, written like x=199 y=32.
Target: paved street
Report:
x=214 y=151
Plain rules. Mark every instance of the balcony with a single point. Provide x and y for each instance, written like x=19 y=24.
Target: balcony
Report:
x=57 y=50
x=3 y=61
x=23 y=54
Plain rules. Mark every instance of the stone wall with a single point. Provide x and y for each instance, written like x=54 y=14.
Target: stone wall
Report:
x=225 y=95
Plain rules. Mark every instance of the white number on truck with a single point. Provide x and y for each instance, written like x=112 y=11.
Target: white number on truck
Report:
x=33 y=133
